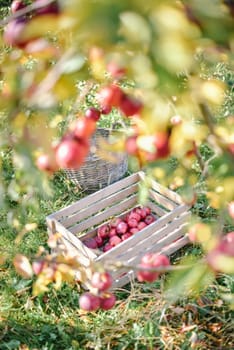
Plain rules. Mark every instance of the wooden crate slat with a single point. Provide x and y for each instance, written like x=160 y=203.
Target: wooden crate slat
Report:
x=81 y=248
x=163 y=190
x=105 y=215
x=158 y=241
x=172 y=248
x=95 y=197
x=129 y=277
x=155 y=208
x=130 y=274
x=162 y=200
x=102 y=204
x=72 y=249
x=156 y=247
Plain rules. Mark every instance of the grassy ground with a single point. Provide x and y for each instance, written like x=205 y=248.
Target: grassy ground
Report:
x=141 y=319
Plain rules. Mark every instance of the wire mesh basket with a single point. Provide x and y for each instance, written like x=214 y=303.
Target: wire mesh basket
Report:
x=97 y=172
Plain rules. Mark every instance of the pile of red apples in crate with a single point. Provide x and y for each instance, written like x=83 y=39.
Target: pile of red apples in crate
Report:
x=118 y=229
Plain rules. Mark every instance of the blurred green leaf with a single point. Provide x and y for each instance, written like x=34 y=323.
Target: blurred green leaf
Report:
x=190 y=280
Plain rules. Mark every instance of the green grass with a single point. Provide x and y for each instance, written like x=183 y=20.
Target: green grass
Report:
x=141 y=319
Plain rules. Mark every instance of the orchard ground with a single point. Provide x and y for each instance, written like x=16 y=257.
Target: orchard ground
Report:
x=141 y=318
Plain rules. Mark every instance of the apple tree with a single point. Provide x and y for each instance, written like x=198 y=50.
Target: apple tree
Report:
x=159 y=65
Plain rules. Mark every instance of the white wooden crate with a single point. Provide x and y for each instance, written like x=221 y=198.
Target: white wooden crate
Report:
x=81 y=219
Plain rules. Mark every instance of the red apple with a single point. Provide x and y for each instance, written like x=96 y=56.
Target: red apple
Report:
x=114 y=240
x=231 y=209
x=46 y=163
x=141 y=225
x=37 y=266
x=147 y=210
x=161 y=143
x=103 y=231
x=131 y=145
x=121 y=228
x=126 y=235
x=106 y=110
x=99 y=241
x=101 y=280
x=221 y=258
x=17 y=5
x=134 y=230
x=140 y=212
x=110 y=96
x=107 y=301
x=134 y=215
x=116 y=70
x=91 y=243
x=84 y=128
x=132 y=222
x=231 y=148
x=47 y=9
x=114 y=222
x=151 y=260
x=227 y=244
x=13 y=33
x=89 y=302
x=71 y=153
x=149 y=219
x=93 y=113
x=107 y=247
x=112 y=232
x=130 y=106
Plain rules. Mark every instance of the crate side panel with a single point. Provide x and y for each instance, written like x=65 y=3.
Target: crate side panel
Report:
x=81 y=248
x=72 y=250
x=173 y=196
x=158 y=241
x=95 y=208
x=95 y=197
x=173 y=247
x=155 y=208
x=152 y=247
x=162 y=201
x=124 y=276
x=128 y=277
x=93 y=232
x=105 y=215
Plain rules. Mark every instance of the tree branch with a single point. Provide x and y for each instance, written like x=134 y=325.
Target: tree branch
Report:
x=25 y=11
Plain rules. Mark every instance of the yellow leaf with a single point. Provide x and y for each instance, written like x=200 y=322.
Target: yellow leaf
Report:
x=2 y=259
x=23 y=266
x=58 y=279
x=213 y=91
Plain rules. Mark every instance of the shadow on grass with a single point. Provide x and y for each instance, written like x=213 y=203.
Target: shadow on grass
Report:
x=42 y=335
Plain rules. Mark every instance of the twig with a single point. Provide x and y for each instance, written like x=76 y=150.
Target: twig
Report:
x=112 y=264
x=208 y=117
x=52 y=77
